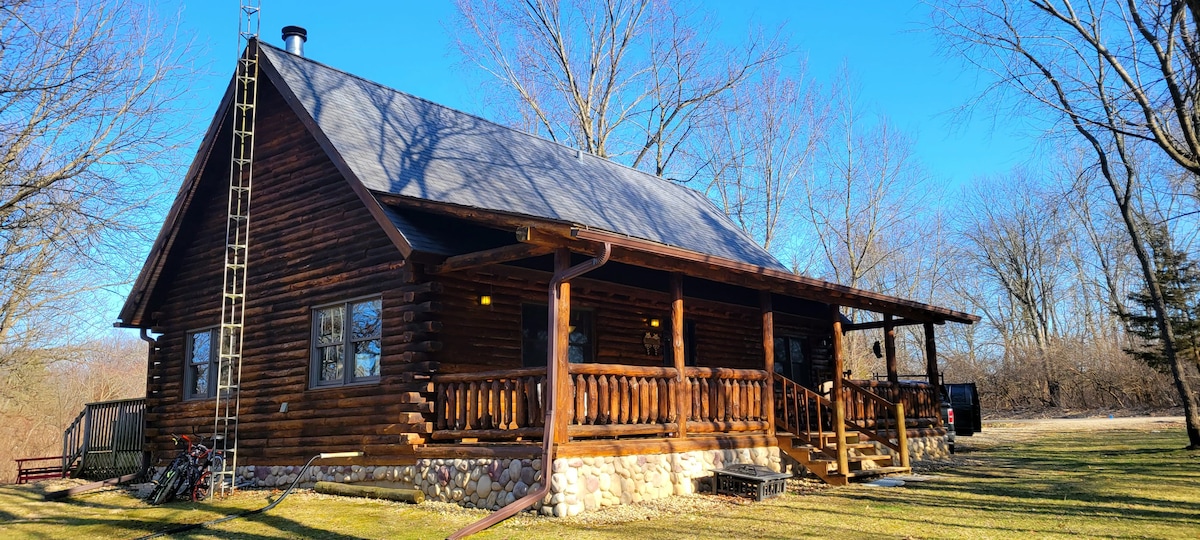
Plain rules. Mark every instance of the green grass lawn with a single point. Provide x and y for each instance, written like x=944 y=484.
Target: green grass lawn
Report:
x=1005 y=484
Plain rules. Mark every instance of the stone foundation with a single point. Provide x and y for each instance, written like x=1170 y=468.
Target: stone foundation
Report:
x=922 y=448
x=576 y=484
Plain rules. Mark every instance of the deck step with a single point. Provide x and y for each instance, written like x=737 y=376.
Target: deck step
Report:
x=854 y=446
x=881 y=471
x=870 y=457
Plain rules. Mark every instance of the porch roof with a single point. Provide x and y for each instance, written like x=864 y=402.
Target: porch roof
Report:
x=456 y=232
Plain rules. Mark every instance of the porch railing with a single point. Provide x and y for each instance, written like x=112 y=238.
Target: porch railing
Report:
x=505 y=404
x=605 y=400
x=876 y=418
x=614 y=400
x=921 y=406
x=105 y=440
x=725 y=400
x=802 y=411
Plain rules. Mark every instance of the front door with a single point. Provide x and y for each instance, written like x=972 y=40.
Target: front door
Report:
x=792 y=361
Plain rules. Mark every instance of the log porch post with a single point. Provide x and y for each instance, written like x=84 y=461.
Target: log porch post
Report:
x=562 y=342
x=931 y=367
x=683 y=395
x=889 y=348
x=768 y=326
x=839 y=402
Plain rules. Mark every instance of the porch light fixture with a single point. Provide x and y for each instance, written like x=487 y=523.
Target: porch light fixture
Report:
x=485 y=299
x=654 y=323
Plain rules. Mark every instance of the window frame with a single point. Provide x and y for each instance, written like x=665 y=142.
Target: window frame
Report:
x=591 y=350
x=214 y=363
x=346 y=344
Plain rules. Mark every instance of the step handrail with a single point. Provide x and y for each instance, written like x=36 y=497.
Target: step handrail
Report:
x=73 y=445
x=895 y=410
x=795 y=399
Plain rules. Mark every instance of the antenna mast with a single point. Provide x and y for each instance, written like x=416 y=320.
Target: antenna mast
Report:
x=237 y=242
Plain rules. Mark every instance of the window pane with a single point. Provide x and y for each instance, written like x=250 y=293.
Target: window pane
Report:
x=199 y=379
x=365 y=320
x=533 y=335
x=201 y=347
x=330 y=364
x=225 y=375
x=366 y=358
x=797 y=350
x=329 y=323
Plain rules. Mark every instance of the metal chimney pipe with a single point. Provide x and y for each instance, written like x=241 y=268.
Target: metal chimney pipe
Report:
x=294 y=38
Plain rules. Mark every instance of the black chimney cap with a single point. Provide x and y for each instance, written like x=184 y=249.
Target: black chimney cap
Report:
x=295 y=31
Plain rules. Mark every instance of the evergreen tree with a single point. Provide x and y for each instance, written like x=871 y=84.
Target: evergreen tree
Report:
x=1179 y=278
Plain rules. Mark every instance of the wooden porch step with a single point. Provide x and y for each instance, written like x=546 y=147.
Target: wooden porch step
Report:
x=881 y=471
x=869 y=457
x=854 y=446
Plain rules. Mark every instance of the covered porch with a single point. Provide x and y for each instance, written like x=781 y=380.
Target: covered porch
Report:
x=609 y=407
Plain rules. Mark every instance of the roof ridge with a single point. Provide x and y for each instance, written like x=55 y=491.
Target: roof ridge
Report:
x=667 y=181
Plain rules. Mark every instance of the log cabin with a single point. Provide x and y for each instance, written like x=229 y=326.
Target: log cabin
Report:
x=489 y=316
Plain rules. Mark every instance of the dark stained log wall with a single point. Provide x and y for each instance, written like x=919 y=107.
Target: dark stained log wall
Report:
x=481 y=338
x=312 y=243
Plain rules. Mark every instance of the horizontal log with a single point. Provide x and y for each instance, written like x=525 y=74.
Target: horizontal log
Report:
x=694 y=426
x=371 y=492
x=491 y=434
x=619 y=430
x=726 y=373
x=421 y=346
x=489 y=256
x=622 y=370
x=633 y=447
x=471 y=451
x=490 y=375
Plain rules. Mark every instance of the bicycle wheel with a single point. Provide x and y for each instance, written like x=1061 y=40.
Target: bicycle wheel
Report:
x=200 y=489
x=166 y=488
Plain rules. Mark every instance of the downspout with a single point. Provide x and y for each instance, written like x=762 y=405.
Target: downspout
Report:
x=152 y=342
x=551 y=399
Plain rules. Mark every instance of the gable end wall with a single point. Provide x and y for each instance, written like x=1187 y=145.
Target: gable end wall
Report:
x=312 y=243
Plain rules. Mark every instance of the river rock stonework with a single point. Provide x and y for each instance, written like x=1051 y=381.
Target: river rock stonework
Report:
x=576 y=484
x=922 y=448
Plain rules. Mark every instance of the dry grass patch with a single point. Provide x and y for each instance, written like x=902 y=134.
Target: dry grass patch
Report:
x=1020 y=480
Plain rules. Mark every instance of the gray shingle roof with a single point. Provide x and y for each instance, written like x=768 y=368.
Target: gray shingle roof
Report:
x=403 y=145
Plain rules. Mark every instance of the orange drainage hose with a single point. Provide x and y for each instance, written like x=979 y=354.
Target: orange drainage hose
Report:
x=521 y=504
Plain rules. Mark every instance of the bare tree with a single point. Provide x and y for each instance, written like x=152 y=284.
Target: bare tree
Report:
x=1015 y=237
x=38 y=400
x=618 y=78
x=85 y=88
x=1117 y=74
x=763 y=139
x=863 y=201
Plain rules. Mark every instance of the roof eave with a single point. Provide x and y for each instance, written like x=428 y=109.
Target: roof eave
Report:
x=783 y=282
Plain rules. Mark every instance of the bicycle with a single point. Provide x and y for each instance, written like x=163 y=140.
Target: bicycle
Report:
x=188 y=472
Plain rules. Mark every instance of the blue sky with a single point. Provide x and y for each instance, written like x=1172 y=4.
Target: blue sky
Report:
x=895 y=62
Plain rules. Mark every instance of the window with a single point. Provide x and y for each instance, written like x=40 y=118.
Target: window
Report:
x=689 y=344
x=346 y=343
x=790 y=360
x=534 y=336
x=201 y=359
